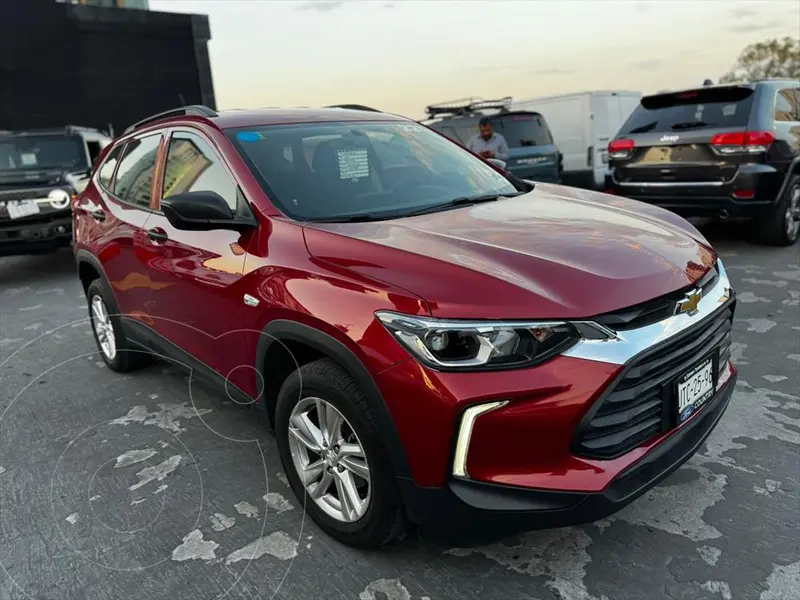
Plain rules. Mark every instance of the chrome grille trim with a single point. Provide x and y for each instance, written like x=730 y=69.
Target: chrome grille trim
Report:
x=630 y=343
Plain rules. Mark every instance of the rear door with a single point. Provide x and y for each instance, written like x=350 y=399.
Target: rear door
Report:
x=115 y=215
x=692 y=137
x=605 y=121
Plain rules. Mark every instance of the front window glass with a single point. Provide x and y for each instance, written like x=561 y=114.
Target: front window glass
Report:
x=192 y=166
x=42 y=152
x=328 y=171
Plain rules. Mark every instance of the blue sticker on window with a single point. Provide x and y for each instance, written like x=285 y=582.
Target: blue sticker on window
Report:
x=249 y=136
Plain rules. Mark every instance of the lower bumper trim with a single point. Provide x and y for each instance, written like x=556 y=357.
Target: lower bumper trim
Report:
x=35 y=237
x=484 y=511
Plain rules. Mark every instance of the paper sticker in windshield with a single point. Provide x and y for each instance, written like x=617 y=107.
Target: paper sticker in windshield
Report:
x=728 y=109
x=353 y=163
x=28 y=159
x=249 y=136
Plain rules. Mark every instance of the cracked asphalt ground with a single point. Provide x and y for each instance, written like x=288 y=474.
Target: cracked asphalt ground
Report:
x=117 y=487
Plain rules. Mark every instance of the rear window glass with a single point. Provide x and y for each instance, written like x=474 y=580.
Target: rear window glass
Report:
x=523 y=130
x=458 y=132
x=698 y=109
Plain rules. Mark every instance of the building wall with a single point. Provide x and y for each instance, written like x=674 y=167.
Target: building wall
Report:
x=140 y=4
x=85 y=65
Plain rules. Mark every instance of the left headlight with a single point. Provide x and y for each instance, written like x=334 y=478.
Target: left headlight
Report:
x=450 y=344
x=59 y=199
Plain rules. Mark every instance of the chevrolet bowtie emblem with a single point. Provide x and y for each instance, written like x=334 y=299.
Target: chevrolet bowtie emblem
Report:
x=689 y=303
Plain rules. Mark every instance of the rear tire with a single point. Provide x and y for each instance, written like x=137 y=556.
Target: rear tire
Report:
x=781 y=226
x=380 y=519
x=117 y=351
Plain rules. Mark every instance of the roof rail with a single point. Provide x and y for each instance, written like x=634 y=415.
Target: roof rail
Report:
x=354 y=107
x=194 y=110
x=466 y=106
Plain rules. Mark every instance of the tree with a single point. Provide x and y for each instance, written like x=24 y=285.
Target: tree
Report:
x=771 y=58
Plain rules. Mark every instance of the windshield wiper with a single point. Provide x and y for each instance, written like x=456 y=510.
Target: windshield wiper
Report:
x=462 y=201
x=644 y=128
x=363 y=218
x=691 y=125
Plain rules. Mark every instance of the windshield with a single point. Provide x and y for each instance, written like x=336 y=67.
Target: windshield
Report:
x=330 y=171
x=698 y=109
x=41 y=152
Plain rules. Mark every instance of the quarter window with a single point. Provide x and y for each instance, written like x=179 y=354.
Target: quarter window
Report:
x=134 y=181
x=786 y=106
x=192 y=166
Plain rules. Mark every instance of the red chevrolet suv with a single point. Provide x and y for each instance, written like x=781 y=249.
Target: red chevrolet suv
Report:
x=432 y=340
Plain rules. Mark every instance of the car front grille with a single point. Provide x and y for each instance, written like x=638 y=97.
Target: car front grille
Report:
x=641 y=402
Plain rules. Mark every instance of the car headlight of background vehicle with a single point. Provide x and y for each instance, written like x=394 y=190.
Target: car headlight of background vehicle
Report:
x=446 y=344
x=59 y=199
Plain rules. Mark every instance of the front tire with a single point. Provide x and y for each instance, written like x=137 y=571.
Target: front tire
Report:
x=332 y=453
x=781 y=226
x=116 y=350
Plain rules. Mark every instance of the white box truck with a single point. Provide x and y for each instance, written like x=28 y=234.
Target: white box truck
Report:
x=582 y=125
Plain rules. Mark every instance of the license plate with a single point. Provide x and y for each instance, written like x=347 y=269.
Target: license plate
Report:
x=23 y=208
x=694 y=389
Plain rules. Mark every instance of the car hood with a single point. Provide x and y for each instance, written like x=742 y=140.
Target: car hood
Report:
x=556 y=252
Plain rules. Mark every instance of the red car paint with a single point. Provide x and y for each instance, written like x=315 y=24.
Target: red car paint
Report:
x=553 y=253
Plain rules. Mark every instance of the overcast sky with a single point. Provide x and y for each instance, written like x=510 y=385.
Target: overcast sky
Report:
x=400 y=55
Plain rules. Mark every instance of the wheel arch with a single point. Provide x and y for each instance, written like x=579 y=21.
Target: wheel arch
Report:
x=89 y=268
x=791 y=171
x=282 y=335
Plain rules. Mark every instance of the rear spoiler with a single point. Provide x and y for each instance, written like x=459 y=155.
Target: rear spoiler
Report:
x=706 y=94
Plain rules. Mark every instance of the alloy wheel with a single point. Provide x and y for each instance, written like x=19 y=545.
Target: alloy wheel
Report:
x=103 y=328
x=329 y=459
x=793 y=214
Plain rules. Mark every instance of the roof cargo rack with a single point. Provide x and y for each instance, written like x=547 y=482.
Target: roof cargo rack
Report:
x=354 y=107
x=66 y=129
x=195 y=110
x=466 y=106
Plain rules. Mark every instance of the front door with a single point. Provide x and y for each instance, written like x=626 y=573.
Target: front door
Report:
x=196 y=294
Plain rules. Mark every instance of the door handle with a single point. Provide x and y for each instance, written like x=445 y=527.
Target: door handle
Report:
x=157 y=235
x=98 y=215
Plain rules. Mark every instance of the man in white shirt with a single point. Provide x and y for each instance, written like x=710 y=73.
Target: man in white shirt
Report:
x=487 y=143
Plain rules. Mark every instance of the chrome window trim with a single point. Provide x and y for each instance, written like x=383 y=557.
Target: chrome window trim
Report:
x=627 y=344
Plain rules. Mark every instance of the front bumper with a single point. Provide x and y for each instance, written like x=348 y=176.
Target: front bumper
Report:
x=484 y=511
x=44 y=233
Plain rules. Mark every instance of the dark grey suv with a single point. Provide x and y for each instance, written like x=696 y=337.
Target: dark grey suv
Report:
x=41 y=171
x=721 y=151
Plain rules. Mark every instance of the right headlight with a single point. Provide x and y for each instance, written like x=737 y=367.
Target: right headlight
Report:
x=462 y=345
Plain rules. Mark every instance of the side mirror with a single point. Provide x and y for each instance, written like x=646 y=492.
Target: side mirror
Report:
x=500 y=164
x=202 y=211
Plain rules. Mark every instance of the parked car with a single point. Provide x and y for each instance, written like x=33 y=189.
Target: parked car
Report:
x=532 y=153
x=719 y=151
x=40 y=172
x=431 y=340
x=582 y=125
